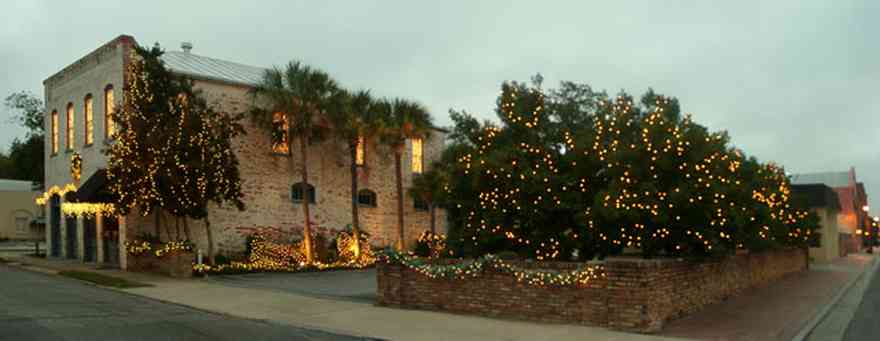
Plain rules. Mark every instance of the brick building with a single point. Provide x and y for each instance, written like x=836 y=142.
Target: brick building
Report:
x=78 y=99
x=852 y=219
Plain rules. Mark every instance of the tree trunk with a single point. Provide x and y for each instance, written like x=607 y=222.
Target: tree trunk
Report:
x=433 y=219
x=399 y=175
x=355 y=222
x=158 y=224
x=210 y=240
x=177 y=226
x=186 y=228
x=307 y=231
x=167 y=226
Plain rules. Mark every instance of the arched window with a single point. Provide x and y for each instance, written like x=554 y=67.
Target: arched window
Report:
x=301 y=191
x=109 y=106
x=367 y=198
x=280 y=128
x=88 y=121
x=360 y=155
x=417 y=158
x=54 y=130
x=419 y=204
x=69 y=123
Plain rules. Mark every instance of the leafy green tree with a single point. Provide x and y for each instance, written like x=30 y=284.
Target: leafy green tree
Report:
x=353 y=122
x=302 y=95
x=25 y=158
x=428 y=187
x=402 y=120
x=30 y=111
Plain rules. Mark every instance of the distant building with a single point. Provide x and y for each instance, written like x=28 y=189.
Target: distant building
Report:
x=852 y=199
x=78 y=100
x=823 y=201
x=19 y=215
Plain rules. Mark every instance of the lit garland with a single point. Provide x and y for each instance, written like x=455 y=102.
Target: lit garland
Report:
x=85 y=209
x=60 y=191
x=463 y=270
x=274 y=257
x=141 y=247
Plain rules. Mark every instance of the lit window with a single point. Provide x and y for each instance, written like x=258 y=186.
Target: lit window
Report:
x=417 y=155
x=89 y=121
x=301 y=191
x=109 y=125
x=69 y=126
x=367 y=198
x=280 y=127
x=360 y=151
x=54 y=131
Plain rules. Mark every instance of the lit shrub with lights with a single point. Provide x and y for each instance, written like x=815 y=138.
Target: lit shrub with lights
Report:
x=430 y=244
x=579 y=175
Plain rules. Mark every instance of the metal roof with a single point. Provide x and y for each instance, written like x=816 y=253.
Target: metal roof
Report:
x=831 y=179
x=201 y=67
x=815 y=195
x=16 y=185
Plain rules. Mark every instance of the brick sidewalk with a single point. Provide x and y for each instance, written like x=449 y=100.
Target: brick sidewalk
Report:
x=776 y=312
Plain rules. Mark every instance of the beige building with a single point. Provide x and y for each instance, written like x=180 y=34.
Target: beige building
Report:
x=78 y=98
x=18 y=213
x=823 y=201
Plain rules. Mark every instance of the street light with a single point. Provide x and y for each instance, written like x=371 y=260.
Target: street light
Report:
x=866 y=208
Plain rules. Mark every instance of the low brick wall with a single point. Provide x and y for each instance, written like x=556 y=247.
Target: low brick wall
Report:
x=635 y=295
x=177 y=264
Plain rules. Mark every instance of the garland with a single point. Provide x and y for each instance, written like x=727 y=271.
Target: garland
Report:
x=581 y=276
x=140 y=247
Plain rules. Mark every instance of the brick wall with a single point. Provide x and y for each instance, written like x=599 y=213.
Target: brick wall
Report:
x=636 y=294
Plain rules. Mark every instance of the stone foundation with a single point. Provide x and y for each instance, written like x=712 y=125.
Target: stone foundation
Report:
x=636 y=294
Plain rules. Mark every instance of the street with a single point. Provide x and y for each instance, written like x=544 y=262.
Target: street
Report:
x=864 y=326
x=36 y=306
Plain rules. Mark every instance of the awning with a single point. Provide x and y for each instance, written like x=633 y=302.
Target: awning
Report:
x=95 y=188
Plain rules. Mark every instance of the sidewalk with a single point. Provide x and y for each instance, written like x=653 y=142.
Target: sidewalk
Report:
x=777 y=312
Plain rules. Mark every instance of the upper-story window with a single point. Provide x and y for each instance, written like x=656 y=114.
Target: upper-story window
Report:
x=109 y=125
x=89 y=121
x=420 y=204
x=69 y=122
x=54 y=132
x=367 y=198
x=417 y=156
x=360 y=157
x=280 y=127
x=302 y=191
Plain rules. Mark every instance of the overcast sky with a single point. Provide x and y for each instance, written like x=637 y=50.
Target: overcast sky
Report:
x=792 y=81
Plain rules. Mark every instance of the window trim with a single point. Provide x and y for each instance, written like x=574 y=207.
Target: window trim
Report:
x=109 y=107
x=69 y=132
x=360 y=152
x=310 y=193
x=88 y=109
x=373 y=198
x=55 y=133
x=417 y=165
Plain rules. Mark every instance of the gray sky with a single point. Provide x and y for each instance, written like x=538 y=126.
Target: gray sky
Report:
x=792 y=81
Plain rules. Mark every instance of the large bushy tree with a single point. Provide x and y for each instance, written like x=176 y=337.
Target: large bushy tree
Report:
x=578 y=174
x=24 y=160
x=172 y=152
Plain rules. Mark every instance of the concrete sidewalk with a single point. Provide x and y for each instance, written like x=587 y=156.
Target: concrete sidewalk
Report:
x=777 y=312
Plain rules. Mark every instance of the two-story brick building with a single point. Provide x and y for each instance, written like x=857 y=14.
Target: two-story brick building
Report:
x=78 y=99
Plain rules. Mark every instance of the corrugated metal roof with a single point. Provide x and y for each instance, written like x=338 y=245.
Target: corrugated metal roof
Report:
x=16 y=185
x=815 y=195
x=213 y=69
x=831 y=179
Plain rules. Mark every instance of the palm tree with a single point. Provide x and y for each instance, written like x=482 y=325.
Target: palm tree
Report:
x=402 y=120
x=354 y=121
x=428 y=186
x=301 y=95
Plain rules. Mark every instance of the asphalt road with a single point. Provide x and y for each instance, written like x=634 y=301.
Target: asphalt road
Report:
x=35 y=306
x=865 y=325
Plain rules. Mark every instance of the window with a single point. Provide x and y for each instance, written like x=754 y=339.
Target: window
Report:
x=89 y=122
x=54 y=132
x=109 y=106
x=419 y=204
x=367 y=198
x=417 y=155
x=280 y=126
x=300 y=191
x=360 y=152
x=21 y=224
x=69 y=122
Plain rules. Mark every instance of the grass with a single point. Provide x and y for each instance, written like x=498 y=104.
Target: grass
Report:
x=104 y=280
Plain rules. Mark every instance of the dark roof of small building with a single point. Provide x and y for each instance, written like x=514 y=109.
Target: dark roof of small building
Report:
x=831 y=179
x=815 y=196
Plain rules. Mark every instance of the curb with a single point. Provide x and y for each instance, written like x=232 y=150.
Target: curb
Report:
x=871 y=270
